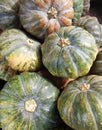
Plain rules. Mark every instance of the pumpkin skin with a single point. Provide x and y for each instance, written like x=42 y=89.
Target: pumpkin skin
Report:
x=6 y=72
x=80 y=103
x=8 y=14
x=19 y=51
x=69 y=52
x=97 y=65
x=92 y=25
x=41 y=18
x=28 y=102
x=78 y=6
x=86 y=7
x=101 y=36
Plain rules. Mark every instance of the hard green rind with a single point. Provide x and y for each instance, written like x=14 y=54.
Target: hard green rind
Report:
x=21 y=88
x=9 y=14
x=92 y=25
x=18 y=52
x=73 y=60
x=82 y=109
x=78 y=6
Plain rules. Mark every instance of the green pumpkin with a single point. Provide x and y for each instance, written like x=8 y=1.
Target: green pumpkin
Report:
x=78 y=6
x=43 y=17
x=80 y=103
x=29 y=102
x=6 y=72
x=8 y=14
x=86 y=9
x=20 y=52
x=97 y=65
x=92 y=25
x=101 y=36
x=69 y=52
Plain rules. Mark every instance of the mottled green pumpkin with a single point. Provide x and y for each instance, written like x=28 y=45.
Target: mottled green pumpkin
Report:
x=6 y=72
x=8 y=14
x=97 y=65
x=92 y=25
x=86 y=9
x=42 y=17
x=19 y=51
x=29 y=102
x=69 y=52
x=78 y=6
x=80 y=103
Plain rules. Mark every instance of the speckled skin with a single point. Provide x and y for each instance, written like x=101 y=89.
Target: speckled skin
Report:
x=75 y=58
x=81 y=108
x=35 y=17
x=22 y=88
x=9 y=14
x=19 y=51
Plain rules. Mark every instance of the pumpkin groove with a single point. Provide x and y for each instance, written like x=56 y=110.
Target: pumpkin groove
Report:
x=80 y=102
x=69 y=52
x=28 y=101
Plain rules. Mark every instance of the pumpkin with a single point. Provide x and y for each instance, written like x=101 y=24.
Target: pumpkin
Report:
x=6 y=72
x=101 y=36
x=92 y=25
x=86 y=9
x=19 y=51
x=69 y=52
x=78 y=6
x=80 y=103
x=97 y=65
x=29 y=102
x=8 y=14
x=43 y=17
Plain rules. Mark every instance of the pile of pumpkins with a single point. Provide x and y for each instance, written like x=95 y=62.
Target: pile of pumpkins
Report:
x=51 y=61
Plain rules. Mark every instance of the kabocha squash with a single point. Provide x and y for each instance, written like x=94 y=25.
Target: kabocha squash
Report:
x=80 y=103
x=19 y=51
x=86 y=9
x=8 y=14
x=97 y=65
x=29 y=102
x=6 y=72
x=42 y=17
x=78 y=6
x=69 y=52
x=92 y=25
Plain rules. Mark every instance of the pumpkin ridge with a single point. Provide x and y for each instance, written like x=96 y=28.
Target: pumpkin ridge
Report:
x=11 y=95
x=18 y=96
x=72 y=60
x=21 y=81
x=68 y=109
x=85 y=55
x=58 y=61
x=91 y=111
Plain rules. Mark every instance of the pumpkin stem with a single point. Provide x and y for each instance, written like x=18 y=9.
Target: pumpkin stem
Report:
x=52 y=12
x=84 y=86
x=30 y=41
x=63 y=42
x=30 y=105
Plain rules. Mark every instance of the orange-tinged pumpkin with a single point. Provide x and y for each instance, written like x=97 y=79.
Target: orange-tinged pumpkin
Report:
x=20 y=51
x=41 y=17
